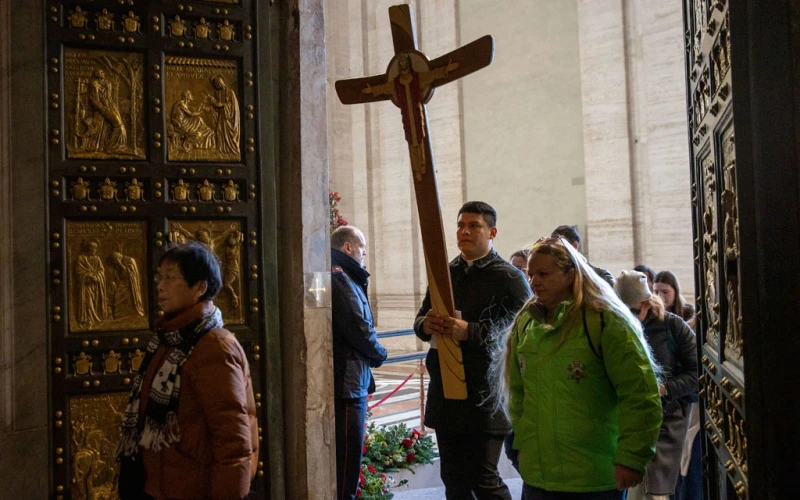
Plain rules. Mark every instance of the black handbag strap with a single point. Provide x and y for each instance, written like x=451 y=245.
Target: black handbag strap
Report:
x=599 y=350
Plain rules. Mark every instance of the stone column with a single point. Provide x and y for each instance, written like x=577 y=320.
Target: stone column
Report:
x=303 y=254
x=23 y=336
x=660 y=165
x=606 y=134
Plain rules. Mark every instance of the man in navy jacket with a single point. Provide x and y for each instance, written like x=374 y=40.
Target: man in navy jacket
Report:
x=355 y=350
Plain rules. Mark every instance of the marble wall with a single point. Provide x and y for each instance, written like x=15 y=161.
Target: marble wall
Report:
x=23 y=335
x=579 y=120
x=522 y=120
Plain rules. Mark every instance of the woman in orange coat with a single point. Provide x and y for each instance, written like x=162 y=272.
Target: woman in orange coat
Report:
x=191 y=413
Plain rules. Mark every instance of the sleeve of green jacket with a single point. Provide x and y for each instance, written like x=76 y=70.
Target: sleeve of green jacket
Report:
x=633 y=378
x=516 y=392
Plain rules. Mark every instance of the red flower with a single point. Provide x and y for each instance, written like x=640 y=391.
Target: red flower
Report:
x=408 y=443
x=363 y=481
x=364 y=450
x=410 y=458
x=415 y=434
x=358 y=493
x=383 y=477
x=371 y=469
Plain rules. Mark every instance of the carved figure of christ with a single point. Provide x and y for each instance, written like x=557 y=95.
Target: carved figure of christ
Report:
x=409 y=83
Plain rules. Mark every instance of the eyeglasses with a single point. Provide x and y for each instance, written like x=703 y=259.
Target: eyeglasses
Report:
x=158 y=278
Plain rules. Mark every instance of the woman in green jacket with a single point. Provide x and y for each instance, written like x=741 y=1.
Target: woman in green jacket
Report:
x=582 y=386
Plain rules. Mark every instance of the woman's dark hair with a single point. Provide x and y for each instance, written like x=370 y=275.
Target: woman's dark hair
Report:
x=197 y=263
x=569 y=233
x=646 y=270
x=523 y=254
x=669 y=278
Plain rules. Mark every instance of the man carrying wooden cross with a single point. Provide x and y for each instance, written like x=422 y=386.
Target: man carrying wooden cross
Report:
x=487 y=289
x=488 y=292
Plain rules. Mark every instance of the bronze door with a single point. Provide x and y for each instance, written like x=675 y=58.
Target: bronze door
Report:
x=153 y=138
x=716 y=248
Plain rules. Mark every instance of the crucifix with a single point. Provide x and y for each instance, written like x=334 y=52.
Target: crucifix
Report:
x=409 y=82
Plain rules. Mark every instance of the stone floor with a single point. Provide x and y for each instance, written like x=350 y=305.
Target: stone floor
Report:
x=514 y=485
x=425 y=483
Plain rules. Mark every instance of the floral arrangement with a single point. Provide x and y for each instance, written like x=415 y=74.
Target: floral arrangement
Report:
x=336 y=220
x=389 y=449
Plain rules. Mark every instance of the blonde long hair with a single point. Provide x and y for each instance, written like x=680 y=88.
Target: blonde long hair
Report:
x=588 y=290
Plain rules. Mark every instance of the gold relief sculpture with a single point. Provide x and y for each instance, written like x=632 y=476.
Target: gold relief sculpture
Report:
x=733 y=337
x=208 y=130
x=125 y=288
x=111 y=362
x=735 y=438
x=231 y=265
x=95 y=429
x=180 y=191
x=700 y=18
x=107 y=291
x=710 y=248
x=202 y=28
x=105 y=20
x=82 y=364
x=206 y=191
x=225 y=31
x=80 y=190
x=230 y=192
x=713 y=402
x=77 y=18
x=134 y=190
x=225 y=239
x=108 y=190
x=104 y=104
x=189 y=131
x=729 y=198
x=701 y=97
x=136 y=358
x=177 y=26
x=130 y=23
x=721 y=53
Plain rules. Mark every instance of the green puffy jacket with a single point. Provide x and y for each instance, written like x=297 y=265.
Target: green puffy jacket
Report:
x=575 y=415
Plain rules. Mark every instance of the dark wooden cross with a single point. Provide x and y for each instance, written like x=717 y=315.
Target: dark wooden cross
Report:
x=409 y=82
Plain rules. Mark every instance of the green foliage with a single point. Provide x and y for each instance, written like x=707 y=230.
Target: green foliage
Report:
x=336 y=220
x=388 y=449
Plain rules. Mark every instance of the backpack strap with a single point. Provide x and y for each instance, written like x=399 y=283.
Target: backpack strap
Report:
x=598 y=352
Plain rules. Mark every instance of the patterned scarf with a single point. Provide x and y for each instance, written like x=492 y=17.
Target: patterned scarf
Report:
x=160 y=427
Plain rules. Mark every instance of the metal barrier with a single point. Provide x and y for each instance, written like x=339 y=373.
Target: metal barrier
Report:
x=408 y=357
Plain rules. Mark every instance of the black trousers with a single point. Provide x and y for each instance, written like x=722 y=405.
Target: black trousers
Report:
x=533 y=493
x=350 y=416
x=469 y=466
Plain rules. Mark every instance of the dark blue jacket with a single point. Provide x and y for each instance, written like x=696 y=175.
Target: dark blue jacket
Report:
x=355 y=342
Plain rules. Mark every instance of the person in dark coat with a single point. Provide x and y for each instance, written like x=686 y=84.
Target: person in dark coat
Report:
x=355 y=350
x=674 y=347
x=488 y=292
x=570 y=233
